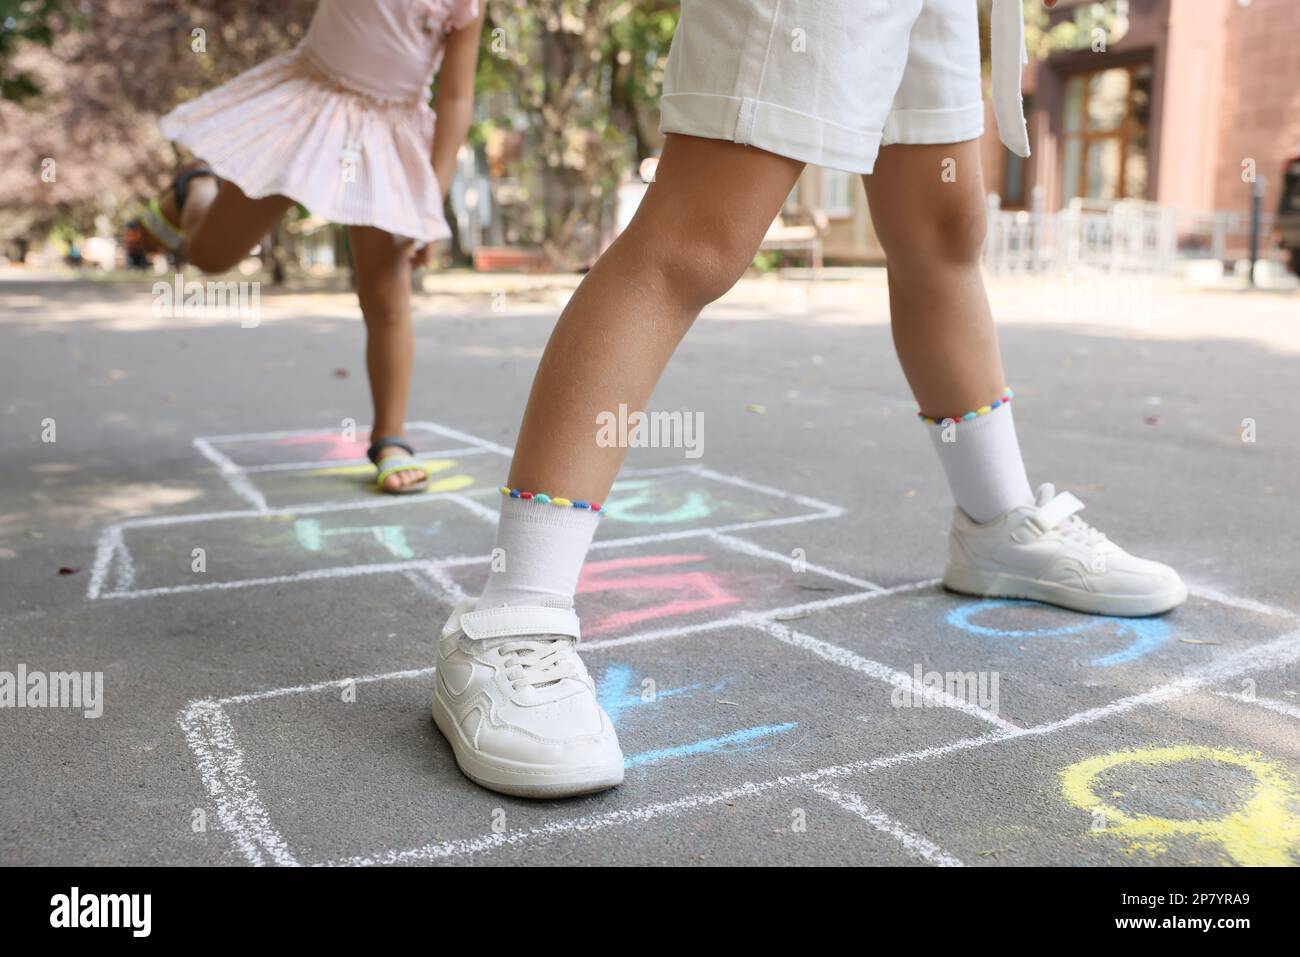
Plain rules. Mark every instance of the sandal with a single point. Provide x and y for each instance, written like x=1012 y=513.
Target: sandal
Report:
x=396 y=463
x=165 y=234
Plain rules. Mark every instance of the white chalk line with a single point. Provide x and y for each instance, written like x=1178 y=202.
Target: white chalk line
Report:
x=221 y=767
x=805 y=500
x=239 y=483
x=1243 y=604
x=477 y=509
x=317 y=574
x=913 y=843
x=845 y=658
x=450 y=433
x=423 y=426
x=437 y=578
x=1271 y=704
x=1278 y=651
x=109 y=541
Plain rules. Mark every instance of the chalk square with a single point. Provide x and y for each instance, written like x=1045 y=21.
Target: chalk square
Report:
x=294 y=450
x=684 y=583
x=1127 y=790
x=460 y=473
x=717 y=716
x=659 y=503
x=1026 y=653
x=251 y=548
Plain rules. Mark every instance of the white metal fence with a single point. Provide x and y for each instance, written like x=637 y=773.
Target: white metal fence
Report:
x=1131 y=236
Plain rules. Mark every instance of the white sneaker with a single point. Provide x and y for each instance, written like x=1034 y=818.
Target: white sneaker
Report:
x=1045 y=552
x=517 y=705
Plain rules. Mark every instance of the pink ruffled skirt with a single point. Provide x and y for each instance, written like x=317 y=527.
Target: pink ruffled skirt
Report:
x=287 y=127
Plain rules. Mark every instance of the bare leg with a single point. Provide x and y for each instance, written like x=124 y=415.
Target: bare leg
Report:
x=932 y=232
x=693 y=236
x=222 y=224
x=383 y=265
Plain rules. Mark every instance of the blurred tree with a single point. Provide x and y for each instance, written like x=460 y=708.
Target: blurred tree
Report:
x=581 y=74
x=28 y=22
x=83 y=138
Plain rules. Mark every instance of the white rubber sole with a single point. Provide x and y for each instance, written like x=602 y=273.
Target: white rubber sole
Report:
x=972 y=581
x=519 y=779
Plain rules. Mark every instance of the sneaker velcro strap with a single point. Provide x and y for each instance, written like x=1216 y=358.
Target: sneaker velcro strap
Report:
x=515 y=620
x=1055 y=512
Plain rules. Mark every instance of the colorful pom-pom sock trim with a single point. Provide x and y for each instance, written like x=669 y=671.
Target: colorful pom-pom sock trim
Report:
x=543 y=499
x=1007 y=396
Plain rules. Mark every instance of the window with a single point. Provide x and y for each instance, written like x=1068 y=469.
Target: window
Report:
x=1106 y=138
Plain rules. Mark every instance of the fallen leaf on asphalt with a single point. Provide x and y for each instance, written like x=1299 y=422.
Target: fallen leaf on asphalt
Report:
x=341 y=373
x=1152 y=419
x=65 y=570
x=756 y=408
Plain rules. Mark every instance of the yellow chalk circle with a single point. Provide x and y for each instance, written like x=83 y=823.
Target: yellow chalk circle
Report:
x=1265 y=832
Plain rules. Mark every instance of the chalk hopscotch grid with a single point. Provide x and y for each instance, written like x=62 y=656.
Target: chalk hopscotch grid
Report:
x=113 y=558
x=220 y=761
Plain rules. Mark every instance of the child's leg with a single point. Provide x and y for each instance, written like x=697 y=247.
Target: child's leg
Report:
x=383 y=265
x=695 y=233
x=221 y=224
x=932 y=232
x=1005 y=541
x=932 y=229
x=510 y=693
x=692 y=238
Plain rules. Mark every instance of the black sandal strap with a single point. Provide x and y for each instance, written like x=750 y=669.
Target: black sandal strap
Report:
x=387 y=442
x=181 y=184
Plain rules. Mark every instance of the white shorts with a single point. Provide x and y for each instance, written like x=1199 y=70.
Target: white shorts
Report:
x=829 y=81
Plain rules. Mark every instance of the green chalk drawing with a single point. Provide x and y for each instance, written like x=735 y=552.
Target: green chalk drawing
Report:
x=637 y=508
x=312 y=536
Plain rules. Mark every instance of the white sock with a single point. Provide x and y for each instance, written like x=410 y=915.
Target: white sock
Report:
x=539 y=552
x=983 y=464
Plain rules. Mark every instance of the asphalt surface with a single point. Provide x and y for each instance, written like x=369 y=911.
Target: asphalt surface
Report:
x=756 y=617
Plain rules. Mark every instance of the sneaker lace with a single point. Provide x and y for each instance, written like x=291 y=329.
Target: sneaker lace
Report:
x=539 y=662
x=1077 y=530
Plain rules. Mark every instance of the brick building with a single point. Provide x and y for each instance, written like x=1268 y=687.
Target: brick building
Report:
x=1164 y=100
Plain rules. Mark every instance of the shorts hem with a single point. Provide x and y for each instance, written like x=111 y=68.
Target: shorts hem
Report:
x=932 y=127
x=767 y=126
